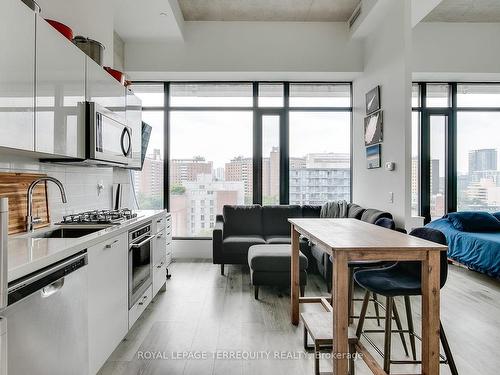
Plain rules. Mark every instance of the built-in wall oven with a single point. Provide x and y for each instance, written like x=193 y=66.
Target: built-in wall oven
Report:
x=140 y=262
x=109 y=139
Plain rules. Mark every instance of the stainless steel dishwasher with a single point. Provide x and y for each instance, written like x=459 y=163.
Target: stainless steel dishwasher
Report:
x=47 y=320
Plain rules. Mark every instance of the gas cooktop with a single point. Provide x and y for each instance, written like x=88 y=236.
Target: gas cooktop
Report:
x=112 y=217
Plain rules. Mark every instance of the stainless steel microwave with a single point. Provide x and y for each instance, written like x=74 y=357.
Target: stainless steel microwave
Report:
x=109 y=139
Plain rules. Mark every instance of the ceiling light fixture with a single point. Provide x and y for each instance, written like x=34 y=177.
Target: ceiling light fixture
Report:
x=163 y=14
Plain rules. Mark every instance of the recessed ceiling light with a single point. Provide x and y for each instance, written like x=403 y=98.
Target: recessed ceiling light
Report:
x=163 y=14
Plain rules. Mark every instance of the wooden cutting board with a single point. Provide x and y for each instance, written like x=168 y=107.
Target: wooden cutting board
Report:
x=15 y=187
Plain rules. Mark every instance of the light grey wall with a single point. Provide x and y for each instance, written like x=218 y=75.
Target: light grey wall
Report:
x=386 y=63
x=118 y=52
x=458 y=51
x=189 y=249
x=225 y=47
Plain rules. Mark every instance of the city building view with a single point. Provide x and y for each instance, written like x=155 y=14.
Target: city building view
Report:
x=198 y=191
x=478 y=189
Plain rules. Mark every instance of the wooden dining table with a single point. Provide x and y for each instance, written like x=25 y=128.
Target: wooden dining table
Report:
x=354 y=240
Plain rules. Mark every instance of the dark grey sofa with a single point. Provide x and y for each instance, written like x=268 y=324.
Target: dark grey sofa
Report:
x=322 y=259
x=240 y=227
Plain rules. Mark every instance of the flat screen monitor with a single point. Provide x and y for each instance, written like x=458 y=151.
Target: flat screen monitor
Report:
x=146 y=134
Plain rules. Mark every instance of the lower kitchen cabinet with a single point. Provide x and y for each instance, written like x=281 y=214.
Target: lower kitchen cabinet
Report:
x=108 y=298
x=159 y=276
x=161 y=245
x=136 y=311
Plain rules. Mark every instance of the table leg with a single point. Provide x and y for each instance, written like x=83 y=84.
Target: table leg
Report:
x=294 y=292
x=430 y=313
x=340 y=291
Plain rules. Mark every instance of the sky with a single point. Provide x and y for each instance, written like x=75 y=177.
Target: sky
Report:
x=220 y=136
x=475 y=130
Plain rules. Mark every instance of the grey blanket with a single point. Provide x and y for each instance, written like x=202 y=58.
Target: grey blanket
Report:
x=335 y=209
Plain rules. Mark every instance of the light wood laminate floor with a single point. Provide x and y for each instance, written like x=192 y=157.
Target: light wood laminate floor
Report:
x=203 y=313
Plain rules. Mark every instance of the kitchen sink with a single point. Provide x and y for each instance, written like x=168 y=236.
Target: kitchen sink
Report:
x=66 y=233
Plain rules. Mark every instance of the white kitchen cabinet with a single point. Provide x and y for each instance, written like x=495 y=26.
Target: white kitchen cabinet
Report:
x=17 y=75
x=60 y=93
x=159 y=276
x=104 y=90
x=134 y=121
x=161 y=251
x=159 y=224
x=168 y=235
x=159 y=247
x=136 y=311
x=108 y=298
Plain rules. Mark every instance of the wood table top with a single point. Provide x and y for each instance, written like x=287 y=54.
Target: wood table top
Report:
x=353 y=234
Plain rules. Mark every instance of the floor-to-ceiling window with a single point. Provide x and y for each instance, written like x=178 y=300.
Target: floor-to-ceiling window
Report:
x=320 y=143
x=243 y=143
x=459 y=139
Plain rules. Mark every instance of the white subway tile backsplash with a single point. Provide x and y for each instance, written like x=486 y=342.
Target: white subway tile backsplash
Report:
x=80 y=183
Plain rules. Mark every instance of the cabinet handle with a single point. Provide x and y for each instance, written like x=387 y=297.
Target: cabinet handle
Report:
x=110 y=245
x=159 y=221
x=143 y=299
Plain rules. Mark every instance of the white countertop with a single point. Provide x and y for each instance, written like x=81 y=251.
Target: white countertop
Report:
x=28 y=254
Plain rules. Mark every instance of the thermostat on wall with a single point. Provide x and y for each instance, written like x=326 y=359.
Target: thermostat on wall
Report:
x=390 y=166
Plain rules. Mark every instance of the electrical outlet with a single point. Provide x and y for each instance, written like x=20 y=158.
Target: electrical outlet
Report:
x=391 y=197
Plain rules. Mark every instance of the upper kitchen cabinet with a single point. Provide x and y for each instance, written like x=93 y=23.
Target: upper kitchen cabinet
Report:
x=17 y=75
x=134 y=121
x=104 y=90
x=60 y=93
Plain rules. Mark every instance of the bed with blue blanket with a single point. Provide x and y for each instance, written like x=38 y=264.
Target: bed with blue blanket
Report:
x=473 y=240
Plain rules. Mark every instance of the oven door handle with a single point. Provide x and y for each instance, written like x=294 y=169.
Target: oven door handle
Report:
x=142 y=243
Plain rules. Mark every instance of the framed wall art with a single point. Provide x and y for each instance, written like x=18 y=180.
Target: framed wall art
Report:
x=373 y=100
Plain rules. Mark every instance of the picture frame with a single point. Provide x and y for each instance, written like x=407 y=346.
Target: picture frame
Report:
x=372 y=100
x=373 y=156
x=374 y=128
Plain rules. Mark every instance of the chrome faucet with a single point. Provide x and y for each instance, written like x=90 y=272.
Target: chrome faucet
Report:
x=30 y=220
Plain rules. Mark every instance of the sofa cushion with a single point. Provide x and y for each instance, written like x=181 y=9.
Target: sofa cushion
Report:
x=371 y=215
x=354 y=211
x=273 y=278
x=474 y=221
x=275 y=219
x=318 y=254
x=310 y=211
x=278 y=239
x=275 y=258
x=242 y=220
x=240 y=244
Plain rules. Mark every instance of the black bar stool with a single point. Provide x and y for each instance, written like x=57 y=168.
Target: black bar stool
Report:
x=402 y=279
x=369 y=264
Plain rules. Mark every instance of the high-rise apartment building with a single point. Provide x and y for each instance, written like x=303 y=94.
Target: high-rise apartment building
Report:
x=149 y=182
x=483 y=160
x=201 y=201
x=321 y=177
x=240 y=169
x=188 y=169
